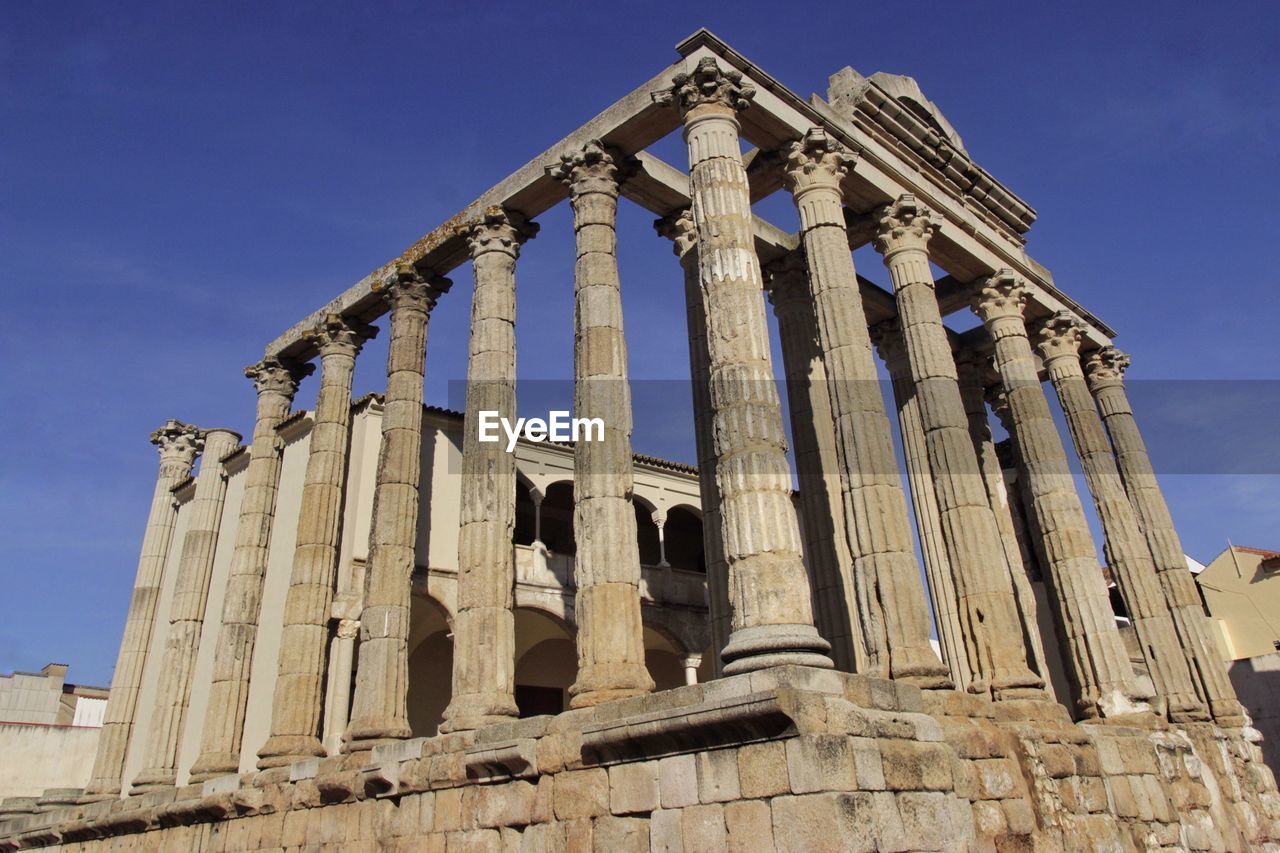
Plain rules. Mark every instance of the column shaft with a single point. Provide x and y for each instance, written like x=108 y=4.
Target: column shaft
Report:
x=1102 y=676
x=484 y=627
x=1105 y=375
x=610 y=637
x=998 y=653
x=380 y=712
x=178 y=444
x=220 y=744
x=1126 y=549
x=680 y=229
x=942 y=589
x=186 y=616
x=972 y=394
x=298 y=701
x=874 y=504
x=838 y=610
x=772 y=613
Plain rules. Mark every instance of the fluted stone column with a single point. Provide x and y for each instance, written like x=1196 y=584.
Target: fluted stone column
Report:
x=680 y=230
x=1099 y=667
x=186 y=616
x=304 y=640
x=1126 y=549
x=610 y=637
x=380 y=712
x=875 y=507
x=276 y=382
x=998 y=653
x=887 y=337
x=1105 y=369
x=178 y=444
x=970 y=370
x=772 y=613
x=484 y=627
x=837 y=606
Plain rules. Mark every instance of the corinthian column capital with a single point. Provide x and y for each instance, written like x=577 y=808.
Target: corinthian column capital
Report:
x=1001 y=295
x=595 y=168
x=338 y=335
x=886 y=337
x=1105 y=367
x=499 y=230
x=679 y=228
x=179 y=443
x=406 y=287
x=277 y=376
x=903 y=224
x=786 y=281
x=1059 y=337
x=816 y=161
x=708 y=85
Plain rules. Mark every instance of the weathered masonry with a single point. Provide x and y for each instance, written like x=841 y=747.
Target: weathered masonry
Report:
x=368 y=629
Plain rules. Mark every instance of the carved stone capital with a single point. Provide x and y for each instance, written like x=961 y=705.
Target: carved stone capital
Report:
x=1059 y=336
x=338 y=335
x=886 y=336
x=348 y=629
x=786 y=280
x=708 y=85
x=1000 y=296
x=903 y=224
x=278 y=376
x=499 y=230
x=817 y=161
x=178 y=443
x=1105 y=367
x=680 y=229
x=406 y=287
x=595 y=168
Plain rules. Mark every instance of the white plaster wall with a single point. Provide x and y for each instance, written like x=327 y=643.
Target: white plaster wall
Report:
x=33 y=758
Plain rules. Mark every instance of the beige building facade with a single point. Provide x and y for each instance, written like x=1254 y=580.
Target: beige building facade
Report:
x=49 y=732
x=367 y=627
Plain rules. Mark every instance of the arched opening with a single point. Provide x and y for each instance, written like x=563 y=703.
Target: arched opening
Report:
x=664 y=658
x=546 y=661
x=646 y=532
x=683 y=538
x=557 y=519
x=430 y=666
x=526 y=514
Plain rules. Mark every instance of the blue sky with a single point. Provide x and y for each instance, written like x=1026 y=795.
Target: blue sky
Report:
x=184 y=181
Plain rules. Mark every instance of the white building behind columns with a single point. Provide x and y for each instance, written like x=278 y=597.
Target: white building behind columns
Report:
x=674 y=595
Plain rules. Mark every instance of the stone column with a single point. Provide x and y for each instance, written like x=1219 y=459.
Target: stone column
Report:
x=484 y=628
x=1099 y=667
x=1105 y=370
x=1126 y=549
x=998 y=654
x=691 y=664
x=380 y=713
x=875 y=507
x=660 y=521
x=298 y=701
x=837 y=604
x=178 y=444
x=971 y=370
x=680 y=230
x=772 y=613
x=610 y=637
x=276 y=383
x=946 y=616
x=338 y=695
x=186 y=616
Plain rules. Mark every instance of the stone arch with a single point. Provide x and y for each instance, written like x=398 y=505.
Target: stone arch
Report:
x=430 y=664
x=664 y=656
x=546 y=661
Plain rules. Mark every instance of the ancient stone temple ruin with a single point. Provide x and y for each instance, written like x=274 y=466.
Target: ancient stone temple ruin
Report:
x=366 y=628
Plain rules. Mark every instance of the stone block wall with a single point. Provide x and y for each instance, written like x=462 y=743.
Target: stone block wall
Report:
x=788 y=759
